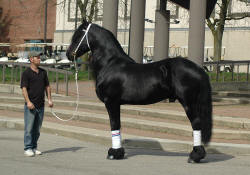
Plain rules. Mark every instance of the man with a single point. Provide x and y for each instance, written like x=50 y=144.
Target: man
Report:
x=34 y=84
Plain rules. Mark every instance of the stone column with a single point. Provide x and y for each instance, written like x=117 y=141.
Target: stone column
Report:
x=136 y=36
x=161 y=33
x=110 y=15
x=196 y=38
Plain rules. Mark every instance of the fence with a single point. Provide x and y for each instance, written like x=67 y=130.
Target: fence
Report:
x=222 y=71
x=238 y=70
x=18 y=68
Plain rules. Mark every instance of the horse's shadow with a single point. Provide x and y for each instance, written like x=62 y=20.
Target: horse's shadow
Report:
x=135 y=149
x=71 y=149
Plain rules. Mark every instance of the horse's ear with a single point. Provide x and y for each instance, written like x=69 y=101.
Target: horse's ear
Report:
x=85 y=23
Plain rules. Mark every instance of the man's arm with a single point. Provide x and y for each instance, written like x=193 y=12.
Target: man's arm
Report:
x=48 y=93
x=30 y=105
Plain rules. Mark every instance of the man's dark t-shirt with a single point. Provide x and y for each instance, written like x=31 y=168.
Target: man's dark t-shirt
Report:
x=35 y=84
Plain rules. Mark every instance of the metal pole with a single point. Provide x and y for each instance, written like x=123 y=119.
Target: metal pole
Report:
x=247 y=72
x=232 y=72
x=238 y=71
x=21 y=71
x=125 y=22
x=45 y=21
x=67 y=84
x=3 y=80
x=12 y=74
x=56 y=82
x=76 y=15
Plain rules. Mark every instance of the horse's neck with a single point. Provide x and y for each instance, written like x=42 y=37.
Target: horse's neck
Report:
x=103 y=58
x=110 y=52
x=105 y=52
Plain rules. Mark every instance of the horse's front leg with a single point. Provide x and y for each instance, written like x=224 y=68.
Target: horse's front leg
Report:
x=116 y=151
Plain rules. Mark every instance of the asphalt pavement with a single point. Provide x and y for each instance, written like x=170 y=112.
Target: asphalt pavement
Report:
x=63 y=155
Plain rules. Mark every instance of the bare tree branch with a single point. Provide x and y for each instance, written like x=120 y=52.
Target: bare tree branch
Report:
x=238 y=16
x=211 y=25
x=83 y=8
x=92 y=9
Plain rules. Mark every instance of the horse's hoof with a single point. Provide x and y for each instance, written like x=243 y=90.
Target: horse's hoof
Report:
x=193 y=161
x=197 y=154
x=115 y=153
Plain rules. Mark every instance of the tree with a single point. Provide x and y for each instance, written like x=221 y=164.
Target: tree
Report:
x=5 y=22
x=93 y=10
x=216 y=23
x=88 y=8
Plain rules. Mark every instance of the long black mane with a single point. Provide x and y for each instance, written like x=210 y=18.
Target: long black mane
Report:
x=107 y=40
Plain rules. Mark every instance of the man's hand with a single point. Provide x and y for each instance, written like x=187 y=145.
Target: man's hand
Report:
x=30 y=105
x=50 y=103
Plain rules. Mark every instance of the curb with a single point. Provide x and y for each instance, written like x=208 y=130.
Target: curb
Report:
x=230 y=122
x=163 y=127
x=129 y=141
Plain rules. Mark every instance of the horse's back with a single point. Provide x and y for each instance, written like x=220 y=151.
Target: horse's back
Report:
x=186 y=69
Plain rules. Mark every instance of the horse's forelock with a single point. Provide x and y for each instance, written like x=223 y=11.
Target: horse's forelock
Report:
x=77 y=33
x=85 y=23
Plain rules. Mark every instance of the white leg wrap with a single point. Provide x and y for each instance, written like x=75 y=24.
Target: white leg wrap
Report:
x=116 y=139
x=197 y=137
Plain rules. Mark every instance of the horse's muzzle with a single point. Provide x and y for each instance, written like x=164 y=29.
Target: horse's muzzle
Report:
x=70 y=55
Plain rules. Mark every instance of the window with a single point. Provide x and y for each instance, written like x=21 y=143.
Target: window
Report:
x=72 y=11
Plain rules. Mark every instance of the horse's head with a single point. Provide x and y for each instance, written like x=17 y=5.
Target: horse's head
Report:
x=79 y=42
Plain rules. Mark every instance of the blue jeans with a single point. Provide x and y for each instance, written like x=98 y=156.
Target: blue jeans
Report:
x=33 y=120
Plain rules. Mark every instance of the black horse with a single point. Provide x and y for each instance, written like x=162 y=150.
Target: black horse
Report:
x=120 y=80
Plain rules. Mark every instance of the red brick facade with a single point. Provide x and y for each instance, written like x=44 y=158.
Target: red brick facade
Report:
x=28 y=19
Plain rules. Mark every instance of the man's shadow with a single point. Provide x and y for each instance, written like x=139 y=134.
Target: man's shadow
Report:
x=71 y=149
x=135 y=149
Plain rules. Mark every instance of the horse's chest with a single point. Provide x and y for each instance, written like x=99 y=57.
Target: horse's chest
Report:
x=106 y=91
x=100 y=93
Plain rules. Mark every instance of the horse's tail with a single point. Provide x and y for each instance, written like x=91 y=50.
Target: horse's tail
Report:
x=204 y=111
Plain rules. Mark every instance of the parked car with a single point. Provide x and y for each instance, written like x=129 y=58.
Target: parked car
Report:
x=4 y=59
x=22 y=60
x=64 y=66
x=49 y=61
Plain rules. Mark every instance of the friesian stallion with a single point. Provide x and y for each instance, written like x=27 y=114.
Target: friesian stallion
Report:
x=120 y=80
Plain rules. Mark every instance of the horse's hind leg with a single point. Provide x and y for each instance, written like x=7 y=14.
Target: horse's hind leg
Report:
x=198 y=151
x=116 y=152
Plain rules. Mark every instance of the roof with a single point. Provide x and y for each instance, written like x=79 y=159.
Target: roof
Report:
x=41 y=44
x=185 y=4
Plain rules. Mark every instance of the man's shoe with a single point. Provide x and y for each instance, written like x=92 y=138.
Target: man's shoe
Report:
x=37 y=152
x=29 y=153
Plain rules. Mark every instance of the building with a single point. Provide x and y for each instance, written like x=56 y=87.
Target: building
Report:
x=28 y=23
x=28 y=20
x=236 y=46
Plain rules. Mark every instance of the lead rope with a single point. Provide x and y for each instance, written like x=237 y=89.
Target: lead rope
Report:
x=77 y=95
x=76 y=77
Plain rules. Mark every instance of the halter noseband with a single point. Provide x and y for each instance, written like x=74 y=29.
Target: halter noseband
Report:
x=85 y=35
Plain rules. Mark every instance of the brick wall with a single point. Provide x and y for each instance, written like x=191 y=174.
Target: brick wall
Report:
x=28 y=19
